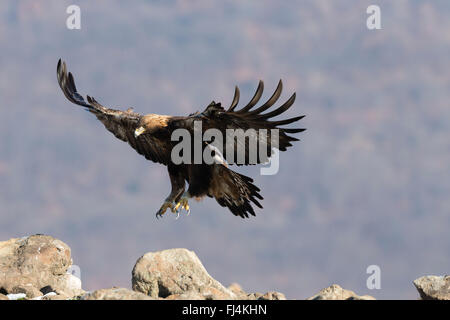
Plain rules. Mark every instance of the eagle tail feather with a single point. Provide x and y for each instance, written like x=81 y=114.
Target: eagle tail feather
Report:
x=237 y=193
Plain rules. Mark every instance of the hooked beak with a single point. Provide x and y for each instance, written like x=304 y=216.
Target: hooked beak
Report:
x=139 y=131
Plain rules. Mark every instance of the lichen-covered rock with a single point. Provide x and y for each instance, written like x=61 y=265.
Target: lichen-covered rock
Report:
x=115 y=294
x=190 y=295
x=31 y=263
x=272 y=295
x=214 y=293
x=28 y=289
x=175 y=271
x=237 y=290
x=253 y=296
x=335 y=292
x=433 y=287
x=36 y=267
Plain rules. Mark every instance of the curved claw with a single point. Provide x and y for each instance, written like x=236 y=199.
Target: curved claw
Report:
x=164 y=208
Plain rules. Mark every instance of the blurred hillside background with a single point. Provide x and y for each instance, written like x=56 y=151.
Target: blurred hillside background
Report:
x=368 y=184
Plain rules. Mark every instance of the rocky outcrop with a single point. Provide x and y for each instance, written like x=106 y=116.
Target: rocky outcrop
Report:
x=237 y=290
x=190 y=295
x=433 y=287
x=335 y=292
x=175 y=272
x=179 y=274
x=115 y=294
x=272 y=295
x=36 y=265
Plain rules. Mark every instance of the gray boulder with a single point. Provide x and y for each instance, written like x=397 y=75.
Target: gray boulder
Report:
x=114 y=294
x=176 y=272
x=336 y=292
x=433 y=287
x=190 y=295
x=237 y=290
x=272 y=295
x=30 y=264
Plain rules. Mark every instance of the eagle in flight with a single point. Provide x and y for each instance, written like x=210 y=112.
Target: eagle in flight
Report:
x=151 y=136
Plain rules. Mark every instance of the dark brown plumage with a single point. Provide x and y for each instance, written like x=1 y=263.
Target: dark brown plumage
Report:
x=150 y=135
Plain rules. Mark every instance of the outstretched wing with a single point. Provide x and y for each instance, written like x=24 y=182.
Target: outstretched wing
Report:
x=120 y=123
x=257 y=127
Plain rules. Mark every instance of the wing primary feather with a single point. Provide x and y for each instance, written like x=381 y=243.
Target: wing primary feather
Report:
x=294 y=130
x=235 y=99
x=271 y=101
x=67 y=85
x=287 y=121
x=72 y=82
x=279 y=110
x=255 y=98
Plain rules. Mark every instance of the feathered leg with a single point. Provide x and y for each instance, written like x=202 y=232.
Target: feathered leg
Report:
x=199 y=178
x=178 y=184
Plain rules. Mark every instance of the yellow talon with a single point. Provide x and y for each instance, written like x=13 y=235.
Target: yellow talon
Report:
x=183 y=204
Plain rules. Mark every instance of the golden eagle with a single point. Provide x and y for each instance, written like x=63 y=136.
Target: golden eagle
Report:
x=151 y=136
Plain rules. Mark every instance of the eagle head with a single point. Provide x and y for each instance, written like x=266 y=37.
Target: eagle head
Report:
x=151 y=123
